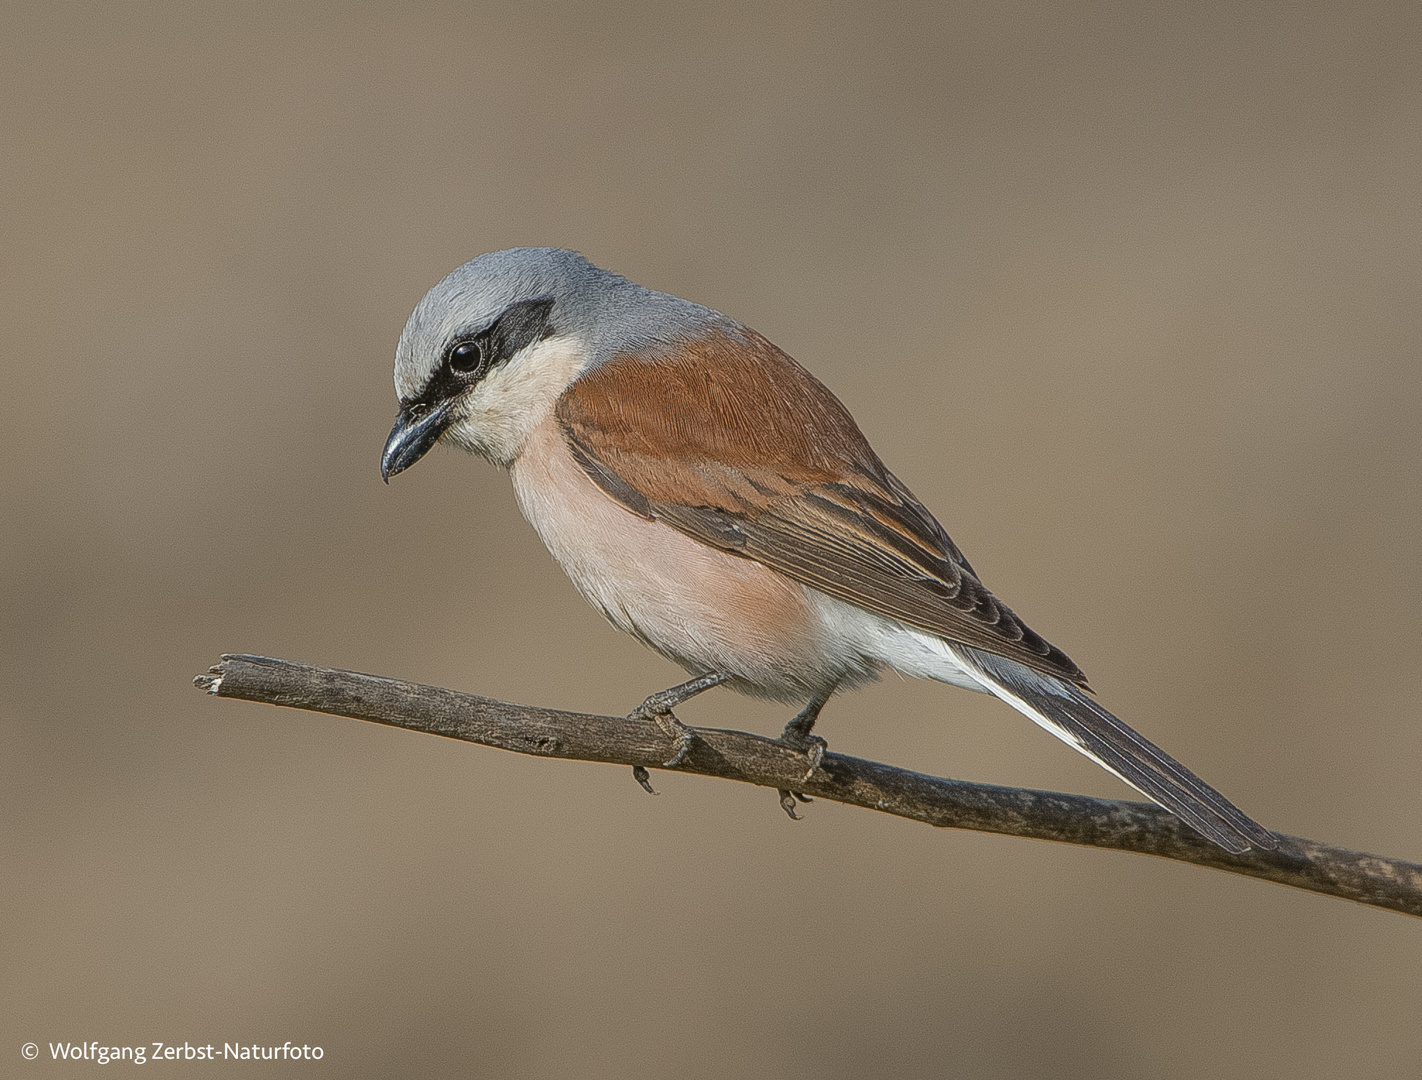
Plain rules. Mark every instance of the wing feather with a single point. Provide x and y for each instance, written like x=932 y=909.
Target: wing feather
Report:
x=729 y=441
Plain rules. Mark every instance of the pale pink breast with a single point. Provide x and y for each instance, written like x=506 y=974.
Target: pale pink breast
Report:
x=702 y=608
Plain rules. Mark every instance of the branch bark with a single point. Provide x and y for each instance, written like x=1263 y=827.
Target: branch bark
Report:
x=753 y=759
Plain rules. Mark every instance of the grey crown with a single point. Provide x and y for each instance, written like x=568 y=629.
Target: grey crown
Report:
x=605 y=311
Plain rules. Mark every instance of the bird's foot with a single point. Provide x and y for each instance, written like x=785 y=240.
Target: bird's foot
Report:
x=658 y=712
x=643 y=777
x=658 y=709
x=681 y=735
x=788 y=799
x=797 y=737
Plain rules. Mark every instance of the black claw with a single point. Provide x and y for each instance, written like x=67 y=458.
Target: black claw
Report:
x=787 y=803
x=643 y=777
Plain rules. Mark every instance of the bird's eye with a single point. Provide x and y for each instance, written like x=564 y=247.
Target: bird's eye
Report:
x=465 y=357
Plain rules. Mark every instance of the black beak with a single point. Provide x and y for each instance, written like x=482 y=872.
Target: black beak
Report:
x=416 y=430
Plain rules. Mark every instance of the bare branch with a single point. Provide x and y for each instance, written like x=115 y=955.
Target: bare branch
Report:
x=752 y=759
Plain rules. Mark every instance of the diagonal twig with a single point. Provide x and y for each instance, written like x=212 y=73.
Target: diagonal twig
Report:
x=753 y=759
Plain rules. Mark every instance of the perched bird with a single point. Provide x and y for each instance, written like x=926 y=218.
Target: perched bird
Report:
x=712 y=498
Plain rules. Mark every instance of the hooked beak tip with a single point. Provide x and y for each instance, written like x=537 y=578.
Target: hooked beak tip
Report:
x=415 y=433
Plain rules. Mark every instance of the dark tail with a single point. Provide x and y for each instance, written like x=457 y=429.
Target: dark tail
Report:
x=1072 y=716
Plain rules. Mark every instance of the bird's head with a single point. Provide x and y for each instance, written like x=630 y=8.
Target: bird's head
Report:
x=488 y=351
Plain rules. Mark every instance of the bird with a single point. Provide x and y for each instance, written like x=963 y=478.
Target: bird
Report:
x=711 y=497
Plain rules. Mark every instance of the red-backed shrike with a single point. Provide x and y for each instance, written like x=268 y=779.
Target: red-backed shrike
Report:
x=712 y=498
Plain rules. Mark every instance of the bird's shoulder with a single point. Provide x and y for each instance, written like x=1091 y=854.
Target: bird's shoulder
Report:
x=727 y=396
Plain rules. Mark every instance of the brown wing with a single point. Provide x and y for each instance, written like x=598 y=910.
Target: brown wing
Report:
x=728 y=440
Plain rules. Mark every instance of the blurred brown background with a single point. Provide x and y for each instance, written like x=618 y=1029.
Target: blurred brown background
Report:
x=1127 y=293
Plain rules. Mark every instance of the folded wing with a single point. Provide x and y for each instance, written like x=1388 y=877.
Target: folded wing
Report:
x=731 y=442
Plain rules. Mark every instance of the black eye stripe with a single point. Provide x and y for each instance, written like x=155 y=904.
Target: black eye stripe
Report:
x=518 y=327
x=470 y=357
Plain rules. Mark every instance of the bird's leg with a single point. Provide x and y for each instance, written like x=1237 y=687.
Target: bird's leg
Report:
x=797 y=736
x=658 y=709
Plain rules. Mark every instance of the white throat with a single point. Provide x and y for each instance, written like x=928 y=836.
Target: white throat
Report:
x=515 y=398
